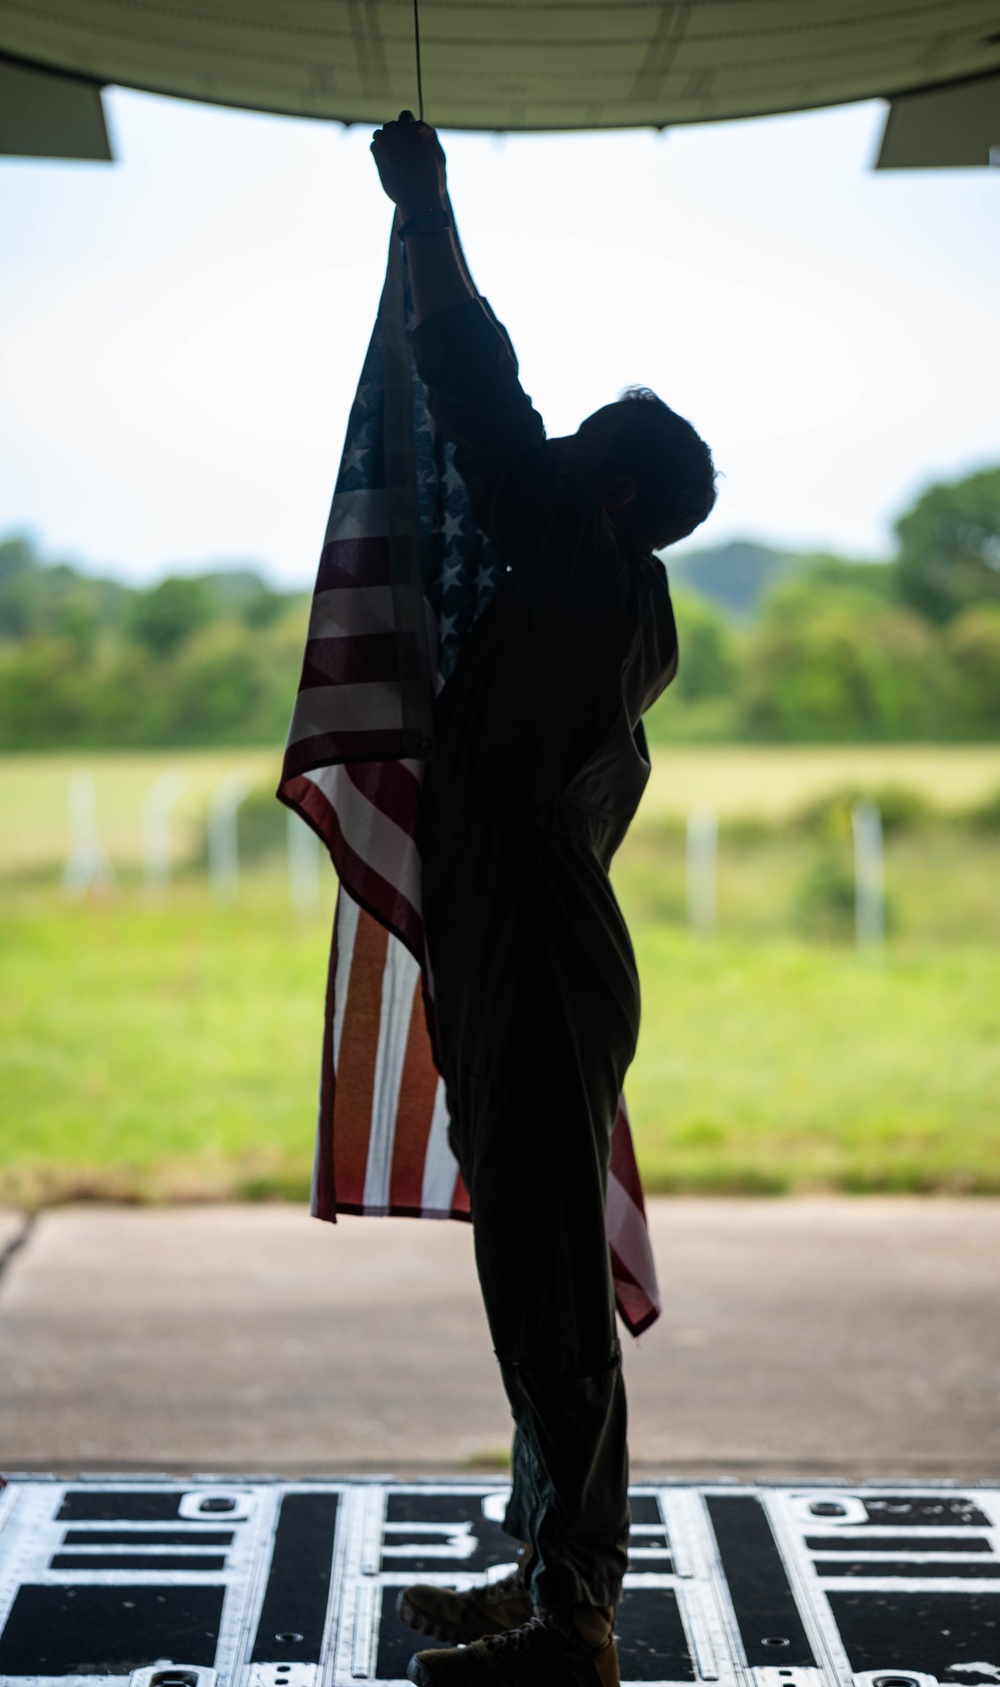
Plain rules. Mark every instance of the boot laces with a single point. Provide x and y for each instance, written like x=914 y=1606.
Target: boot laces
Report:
x=519 y=1639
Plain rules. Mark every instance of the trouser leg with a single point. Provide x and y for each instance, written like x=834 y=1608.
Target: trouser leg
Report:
x=570 y=1484
x=535 y=1159
x=537 y=1014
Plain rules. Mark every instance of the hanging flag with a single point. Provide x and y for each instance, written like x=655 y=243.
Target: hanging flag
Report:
x=404 y=573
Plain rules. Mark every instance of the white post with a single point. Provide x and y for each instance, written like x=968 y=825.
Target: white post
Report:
x=702 y=893
x=156 y=840
x=223 y=843
x=88 y=865
x=303 y=865
x=869 y=875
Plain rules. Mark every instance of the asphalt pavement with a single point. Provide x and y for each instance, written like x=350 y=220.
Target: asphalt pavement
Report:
x=852 y=1338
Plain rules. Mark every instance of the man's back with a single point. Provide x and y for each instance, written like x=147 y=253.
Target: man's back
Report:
x=543 y=706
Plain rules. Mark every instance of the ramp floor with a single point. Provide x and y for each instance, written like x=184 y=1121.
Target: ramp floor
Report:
x=293 y=1584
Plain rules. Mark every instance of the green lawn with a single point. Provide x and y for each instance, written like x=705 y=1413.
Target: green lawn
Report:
x=159 y=1052
x=172 y=1052
x=791 y=1067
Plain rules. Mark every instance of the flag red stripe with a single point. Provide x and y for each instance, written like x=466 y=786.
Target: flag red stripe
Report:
x=367 y=887
x=623 y=1163
x=355 y=1076
x=392 y=787
x=359 y=660
x=323 y=749
x=354 y=562
x=417 y=1093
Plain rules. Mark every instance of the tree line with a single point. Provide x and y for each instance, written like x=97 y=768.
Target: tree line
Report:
x=212 y=659
x=785 y=648
x=774 y=646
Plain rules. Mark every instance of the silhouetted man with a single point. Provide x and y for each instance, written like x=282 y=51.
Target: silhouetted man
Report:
x=539 y=764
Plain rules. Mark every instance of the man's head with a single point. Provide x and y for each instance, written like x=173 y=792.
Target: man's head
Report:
x=646 y=465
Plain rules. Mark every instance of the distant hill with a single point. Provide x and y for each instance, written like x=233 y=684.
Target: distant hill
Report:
x=734 y=577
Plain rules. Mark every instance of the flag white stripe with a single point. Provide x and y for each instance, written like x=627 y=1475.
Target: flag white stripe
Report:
x=347 y=928
x=371 y=707
x=399 y=981
x=358 y=515
x=440 y=1165
x=629 y=1236
x=351 y=611
x=369 y=832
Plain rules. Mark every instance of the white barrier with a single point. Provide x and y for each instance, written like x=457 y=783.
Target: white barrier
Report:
x=156 y=835
x=702 y=872
x=304 y=857
x=88 y=865
x=223 y=841
x=869 y=875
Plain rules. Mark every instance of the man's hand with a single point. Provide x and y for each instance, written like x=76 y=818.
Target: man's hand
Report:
x=411 y=164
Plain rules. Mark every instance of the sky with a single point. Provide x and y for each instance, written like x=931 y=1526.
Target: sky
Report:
x=181 y=333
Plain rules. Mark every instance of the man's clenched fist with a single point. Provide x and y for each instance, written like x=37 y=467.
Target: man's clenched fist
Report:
x=411 y=163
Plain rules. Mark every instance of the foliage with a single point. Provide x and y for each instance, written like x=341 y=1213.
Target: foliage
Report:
x=972 y=641
x=844 y=666
x=191 y=660
x=949 y=546
x=167 y=616
x=828 y=817
x=773 y=647
x=825 y=900
x=709 y=654
x=986 y=815
x=55 y=599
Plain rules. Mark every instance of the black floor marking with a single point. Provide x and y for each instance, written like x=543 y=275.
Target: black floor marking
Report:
x=148 y=1561
x=183 y=1536
x=108 y=1630
x=895 y=1569
x=298 y=1583
x=897 y=1543
x=769 y=1622
x=652 y=1645
x=925 y=1511
x=92 y=1505
x=930 y=1632
x=295 y=1584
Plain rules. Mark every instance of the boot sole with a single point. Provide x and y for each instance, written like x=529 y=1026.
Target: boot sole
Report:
x=425 y=1624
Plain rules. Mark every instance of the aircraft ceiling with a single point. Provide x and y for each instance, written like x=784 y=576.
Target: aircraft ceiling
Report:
x=512 y=64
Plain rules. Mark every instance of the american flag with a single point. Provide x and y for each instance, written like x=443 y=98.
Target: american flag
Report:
x=403 y=575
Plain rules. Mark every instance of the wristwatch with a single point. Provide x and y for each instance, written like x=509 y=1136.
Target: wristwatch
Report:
x=433 y=219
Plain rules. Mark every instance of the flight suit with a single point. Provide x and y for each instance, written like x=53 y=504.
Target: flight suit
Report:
x=539 y=764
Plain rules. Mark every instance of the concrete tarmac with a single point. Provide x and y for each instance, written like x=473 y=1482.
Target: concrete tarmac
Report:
x=834 y=1338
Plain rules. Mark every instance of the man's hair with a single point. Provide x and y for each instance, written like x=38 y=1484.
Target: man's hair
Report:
x=670 y=464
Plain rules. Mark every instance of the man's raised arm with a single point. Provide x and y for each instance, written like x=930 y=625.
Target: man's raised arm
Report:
x=411 y=165
x=463 y=356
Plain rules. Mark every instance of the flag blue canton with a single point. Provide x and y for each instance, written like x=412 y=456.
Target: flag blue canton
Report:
x=460 y=567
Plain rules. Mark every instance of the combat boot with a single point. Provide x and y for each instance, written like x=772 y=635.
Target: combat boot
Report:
x=573 y=1648
x=492 y=1608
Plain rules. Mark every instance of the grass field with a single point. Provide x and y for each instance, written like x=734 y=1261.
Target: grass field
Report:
x=166 y=1051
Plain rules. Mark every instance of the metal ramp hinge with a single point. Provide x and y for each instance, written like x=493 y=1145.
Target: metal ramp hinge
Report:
x=282 y=1675
x=775 y=1675
x=166 y=1674
x=894 y=1678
